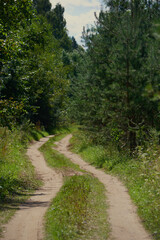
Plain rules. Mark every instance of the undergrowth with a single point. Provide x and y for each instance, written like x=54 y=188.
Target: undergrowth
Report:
x=141 y=175
x=78 y=211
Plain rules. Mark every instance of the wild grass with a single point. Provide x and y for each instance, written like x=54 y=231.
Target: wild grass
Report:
x=141 y=175
x=16 y=172
x=78 y=211
x=17 y=176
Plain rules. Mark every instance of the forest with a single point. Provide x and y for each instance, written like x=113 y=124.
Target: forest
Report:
x=109 y=87
x=33 y=75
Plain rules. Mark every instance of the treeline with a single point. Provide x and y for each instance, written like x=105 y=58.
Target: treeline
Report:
x=111 y=87
x=115 y=94
x=33 y=74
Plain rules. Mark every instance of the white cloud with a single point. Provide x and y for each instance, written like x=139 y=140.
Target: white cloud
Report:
x=78 y=13
x=84 y=3
x=75 y=24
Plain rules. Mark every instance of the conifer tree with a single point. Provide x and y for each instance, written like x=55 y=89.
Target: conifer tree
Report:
x=56 y=19
x=42 y=6
x=119 y=68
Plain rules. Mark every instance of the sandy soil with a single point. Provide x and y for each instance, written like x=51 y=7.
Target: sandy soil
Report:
x=125 y=224
x=27 y=223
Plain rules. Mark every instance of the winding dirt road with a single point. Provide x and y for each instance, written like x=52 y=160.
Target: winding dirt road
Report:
x=125 y=224
x=27 y=224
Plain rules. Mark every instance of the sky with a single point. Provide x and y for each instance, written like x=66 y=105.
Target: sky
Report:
x=78 y=13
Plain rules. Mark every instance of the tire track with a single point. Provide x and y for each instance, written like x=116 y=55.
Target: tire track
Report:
x=27 y=223
x=123 y=218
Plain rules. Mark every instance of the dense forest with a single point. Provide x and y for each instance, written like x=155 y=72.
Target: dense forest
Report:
x=33 y=74
x=111 y=87
x=116 y=89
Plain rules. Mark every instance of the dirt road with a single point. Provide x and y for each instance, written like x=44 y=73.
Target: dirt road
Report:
x=27 y=224
x=125 y=223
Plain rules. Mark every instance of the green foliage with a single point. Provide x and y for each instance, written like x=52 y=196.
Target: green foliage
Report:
x=110 y=95
x=56 y=19
x=32 y=73
x=13 y=13
x=42 y=6
x=97 y=154
x=142 y=179
x=78 y=211
x=74 y=43
x=11 y=112
x=31 y=132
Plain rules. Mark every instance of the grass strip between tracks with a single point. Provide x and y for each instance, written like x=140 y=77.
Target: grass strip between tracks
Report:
x=79 y=210
x=56 y=159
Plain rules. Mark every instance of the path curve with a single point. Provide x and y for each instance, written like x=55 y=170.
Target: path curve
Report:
x=27 y=223
x=125 y=223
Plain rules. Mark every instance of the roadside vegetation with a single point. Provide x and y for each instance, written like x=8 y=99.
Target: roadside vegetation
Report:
x=115 y=100
x=140 y=174
x=17 y=176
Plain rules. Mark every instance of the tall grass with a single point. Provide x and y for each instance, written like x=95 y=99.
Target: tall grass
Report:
x=16 y=172
x=17 y=176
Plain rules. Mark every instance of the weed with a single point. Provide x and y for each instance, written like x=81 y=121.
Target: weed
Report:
x=78 y=211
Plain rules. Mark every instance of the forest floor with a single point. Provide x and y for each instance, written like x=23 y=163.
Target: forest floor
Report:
x=27 y=224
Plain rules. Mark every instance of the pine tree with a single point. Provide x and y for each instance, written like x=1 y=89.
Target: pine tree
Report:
x=74 y=43
x=119 y=51
x=42 y=6
x=57 y=21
